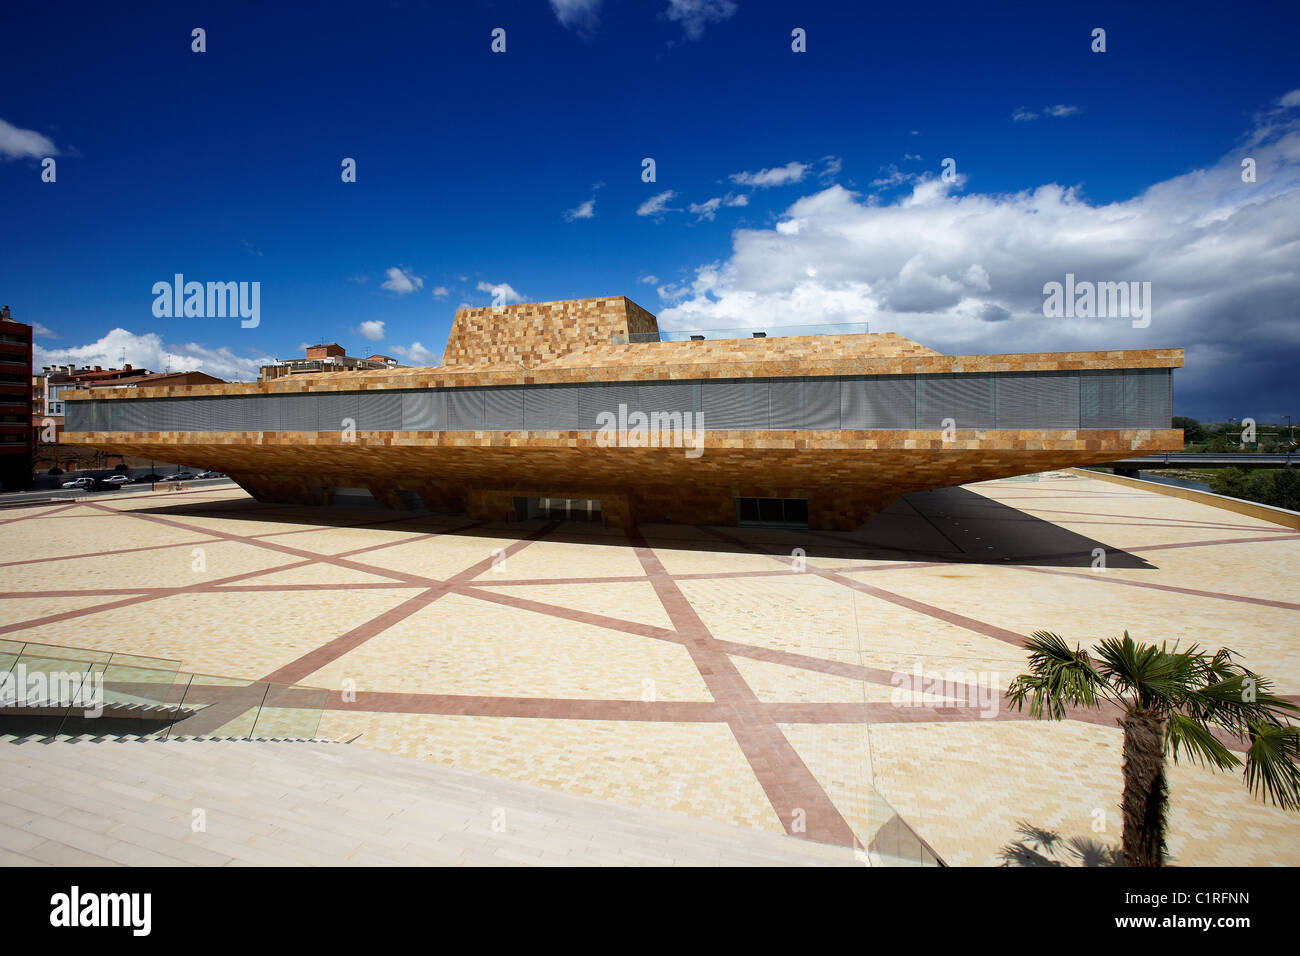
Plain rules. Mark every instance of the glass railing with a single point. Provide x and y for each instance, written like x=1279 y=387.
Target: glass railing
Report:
x=70 y=690
x=747 y=332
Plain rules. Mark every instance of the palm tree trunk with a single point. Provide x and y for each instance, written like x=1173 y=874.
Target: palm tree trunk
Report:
x=1145 y=791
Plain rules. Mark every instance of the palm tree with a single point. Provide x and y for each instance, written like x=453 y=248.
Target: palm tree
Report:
x=1171 y=700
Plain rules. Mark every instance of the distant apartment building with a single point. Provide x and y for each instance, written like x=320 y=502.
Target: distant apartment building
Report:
x=16 y=441
x=323 y=358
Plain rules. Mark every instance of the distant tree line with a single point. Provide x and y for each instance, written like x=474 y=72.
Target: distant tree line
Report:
x=1279 y=488
x=1223 y=438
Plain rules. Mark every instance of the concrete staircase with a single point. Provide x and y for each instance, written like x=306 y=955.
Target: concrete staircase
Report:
x=82 y=800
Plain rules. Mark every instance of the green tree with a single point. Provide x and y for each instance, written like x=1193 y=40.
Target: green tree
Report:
x=1281 y=488
x=1230 y=482
x=1193 y=431
x=1171 y=701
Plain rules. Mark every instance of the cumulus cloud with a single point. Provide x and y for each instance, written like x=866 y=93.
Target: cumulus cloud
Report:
x=416 y=354
x=965 y=273
x=581 y=16
x=148 y=351
x=402 y=281
x=695 y=15
x=657 y=205
x=372 y=330
x=18 y=143
x=441 y=292
x=649 y=280
x=791 y=172
x=502 y=293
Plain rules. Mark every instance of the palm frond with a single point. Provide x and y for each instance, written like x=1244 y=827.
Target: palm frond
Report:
x=1156 y=678
x=1199 y=741
x=1058 y=677
x=1273 y=765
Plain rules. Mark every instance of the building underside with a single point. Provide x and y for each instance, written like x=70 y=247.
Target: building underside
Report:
x=543 y=400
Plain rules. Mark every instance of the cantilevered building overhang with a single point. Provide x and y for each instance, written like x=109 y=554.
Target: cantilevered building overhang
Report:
x=834 y=426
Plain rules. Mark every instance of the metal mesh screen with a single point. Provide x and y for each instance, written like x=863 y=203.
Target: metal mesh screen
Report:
x=966 y=399
x=1038 y=400
x=1107 y=399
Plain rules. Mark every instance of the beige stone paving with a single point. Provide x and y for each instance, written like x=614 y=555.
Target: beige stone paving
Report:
x=182 y=566
x=962 y=786
x=82 y=531
x=586 y=557
x=437 y=557
x=16 y=610
x=839 y=756
x=459 y=645
x=1257 y=569
x=238 y=634
x=684 y=767
x=966 y=787
x=716 y=559
x=805 y=614
x=628 y=601
x=1084 y=612
x=322 y=574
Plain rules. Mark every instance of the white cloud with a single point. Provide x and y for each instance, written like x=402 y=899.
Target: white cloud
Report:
x=706 y=209
x=791 y=172
x=894 y=177
x=359 y=279
x=649 y=280
x=18 y=143
x=965 y=273
x=1022 y=115
x=709 y=208
x=40 y=330
x=416 y=354
x=832 y=168
x=584 y=210
x=372 y=330
x=402 y=281
x=501 y=292
x=441 y=292
x=582 y=16
x=148 y=351
x=695 y=15
x=657 y=205
x=1288 y=100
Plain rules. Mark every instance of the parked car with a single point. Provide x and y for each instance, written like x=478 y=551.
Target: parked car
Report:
x=84 y=483
x=181 y=476
x=149 y=478
x=212 y=474
x=117 y=480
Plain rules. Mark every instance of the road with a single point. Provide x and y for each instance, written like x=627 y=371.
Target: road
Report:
x=16 y=498
x=1178 y=459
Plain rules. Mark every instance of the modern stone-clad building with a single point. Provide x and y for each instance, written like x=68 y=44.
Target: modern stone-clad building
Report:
x=582 y=408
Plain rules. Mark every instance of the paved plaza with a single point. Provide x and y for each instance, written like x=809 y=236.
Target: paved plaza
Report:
x=843 y=687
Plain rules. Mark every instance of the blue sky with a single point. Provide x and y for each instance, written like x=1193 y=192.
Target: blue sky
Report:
x=791 y=188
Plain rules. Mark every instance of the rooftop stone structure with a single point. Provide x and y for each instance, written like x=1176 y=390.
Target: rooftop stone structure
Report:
x=815 y=430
